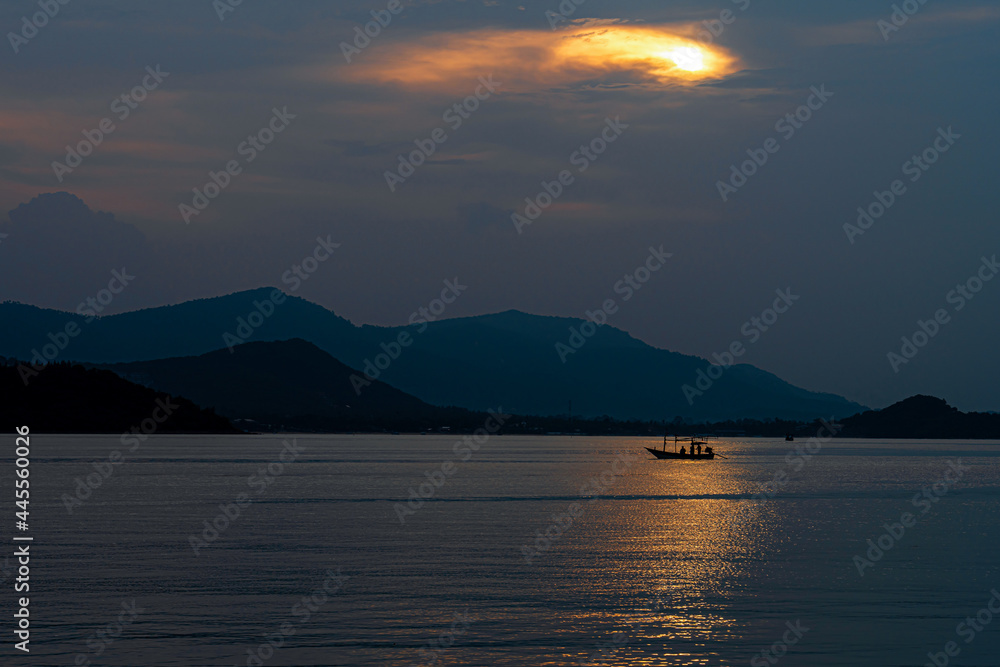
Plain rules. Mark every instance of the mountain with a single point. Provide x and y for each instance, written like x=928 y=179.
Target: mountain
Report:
x=507 y=359
x=921 y=417
x=290 y=385
x=65 y=398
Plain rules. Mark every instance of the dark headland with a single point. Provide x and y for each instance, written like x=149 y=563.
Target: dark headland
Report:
x=66 y=398
x=251 y=390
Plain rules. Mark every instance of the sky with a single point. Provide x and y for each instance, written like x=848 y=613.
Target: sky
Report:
x=648 y=111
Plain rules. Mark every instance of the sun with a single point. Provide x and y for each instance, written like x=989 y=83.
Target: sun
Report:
x=687 y=58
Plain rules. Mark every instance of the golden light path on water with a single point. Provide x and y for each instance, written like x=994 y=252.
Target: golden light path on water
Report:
x=670 y=566
x=533 y=60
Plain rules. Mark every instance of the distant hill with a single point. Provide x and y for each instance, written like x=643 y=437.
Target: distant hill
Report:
x=479 y=362
x=290 y=385
x=65 y=398
x=921 y=417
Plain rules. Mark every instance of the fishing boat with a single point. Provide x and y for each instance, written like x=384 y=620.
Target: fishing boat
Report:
x=687 y=444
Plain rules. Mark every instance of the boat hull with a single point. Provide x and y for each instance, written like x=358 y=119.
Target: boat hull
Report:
x=660 y=454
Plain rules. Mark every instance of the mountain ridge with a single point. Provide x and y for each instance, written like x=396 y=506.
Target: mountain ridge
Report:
x=475 y=362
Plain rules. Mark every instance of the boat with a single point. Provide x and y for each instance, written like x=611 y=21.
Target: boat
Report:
x=789 y=437
x=706 y=455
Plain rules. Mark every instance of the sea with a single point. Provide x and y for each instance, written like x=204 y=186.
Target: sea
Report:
x=503 y=550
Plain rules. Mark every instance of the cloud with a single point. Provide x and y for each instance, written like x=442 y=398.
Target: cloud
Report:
x=927 y=24
x=58 y=251
x=482 y=214
x=10 y=154
x=963 y=15
x=357 y=148
x=587 y=54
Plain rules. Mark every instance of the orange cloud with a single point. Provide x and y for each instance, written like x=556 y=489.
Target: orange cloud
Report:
x=531 y=60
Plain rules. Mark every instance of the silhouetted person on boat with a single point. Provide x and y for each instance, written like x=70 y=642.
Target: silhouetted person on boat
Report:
x=708 y=450
x=683 y=452
x=699 y=450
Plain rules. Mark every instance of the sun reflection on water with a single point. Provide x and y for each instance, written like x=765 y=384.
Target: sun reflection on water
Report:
x=670 y=566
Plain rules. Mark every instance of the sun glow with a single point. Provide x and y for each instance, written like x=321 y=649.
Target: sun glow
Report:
x=643 y=51
x=587 y=55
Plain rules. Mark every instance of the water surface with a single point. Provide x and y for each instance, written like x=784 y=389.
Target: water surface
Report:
x=663 y=564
